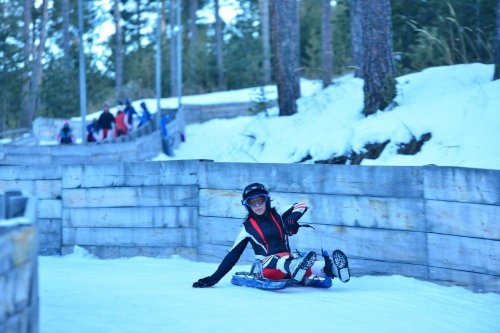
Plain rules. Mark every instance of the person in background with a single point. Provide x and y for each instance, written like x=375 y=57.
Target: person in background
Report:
x=120 y=106
x=106 y=121
x=268 y=233
x=92 y=131
x=65 y=135
x=129 y=114
x=120 y=122
x=164 y=120
x=146 y=115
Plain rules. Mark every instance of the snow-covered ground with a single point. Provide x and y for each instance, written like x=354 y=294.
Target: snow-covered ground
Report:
x=81 y=294
x=459 y=105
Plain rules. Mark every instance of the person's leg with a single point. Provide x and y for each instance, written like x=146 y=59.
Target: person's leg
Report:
x=285 y=266
x=273 y=267
x=318 y=269
x=337 y=266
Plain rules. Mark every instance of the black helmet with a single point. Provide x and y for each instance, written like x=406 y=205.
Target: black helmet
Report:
x=254 y=188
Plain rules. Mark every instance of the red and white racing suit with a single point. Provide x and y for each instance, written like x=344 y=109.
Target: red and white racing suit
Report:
x=268 y=235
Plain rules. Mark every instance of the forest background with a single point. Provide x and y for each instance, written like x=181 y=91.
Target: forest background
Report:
x=39 y=61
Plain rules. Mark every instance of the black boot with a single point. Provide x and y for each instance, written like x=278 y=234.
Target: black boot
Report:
x=341 y=266
x=298 y=267
x=328 y=269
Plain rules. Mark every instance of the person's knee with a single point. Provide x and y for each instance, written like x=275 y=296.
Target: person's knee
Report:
x=274 y=274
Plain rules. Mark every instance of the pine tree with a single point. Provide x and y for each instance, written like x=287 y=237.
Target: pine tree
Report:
x=497 y=46
x=219 y=52
x=284 y=41
x=33 y=31
x=326 y=43
x=356 y=12
x=378 y=69
x=266 y=44
x=11 y=73
x=118 y=51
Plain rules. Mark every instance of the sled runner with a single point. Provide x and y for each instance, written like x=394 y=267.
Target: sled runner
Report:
x=255 y=279
x=246 y=279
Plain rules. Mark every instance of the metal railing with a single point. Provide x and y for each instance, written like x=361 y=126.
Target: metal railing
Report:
x=14 y=133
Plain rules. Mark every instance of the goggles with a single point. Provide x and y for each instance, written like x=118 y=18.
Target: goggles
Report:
x=255 y=200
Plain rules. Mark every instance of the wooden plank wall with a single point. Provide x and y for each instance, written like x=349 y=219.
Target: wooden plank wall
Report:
x=196 y=113
x=44 y=184
x=131 y=209
x=142 y=148
x=462 y=212
x=434 y=223
x=19 y=304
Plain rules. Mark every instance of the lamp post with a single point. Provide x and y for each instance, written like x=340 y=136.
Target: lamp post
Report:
x=179 y=54
x=83 y=87
x=158 y=66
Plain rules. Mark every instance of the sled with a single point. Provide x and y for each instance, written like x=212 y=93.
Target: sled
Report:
x=255 y=279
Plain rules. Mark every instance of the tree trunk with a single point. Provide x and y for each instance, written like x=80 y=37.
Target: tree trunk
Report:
x=3 y=111
x=163 y=22
x=193 y=38
x=138 y=27
x=378 y=70
x=193 y=28
x=32 y=62
x=173 y=49
x=36 y=79
x=497 y=44
x=118 y=52
x=24 y=115
x=296 y=39
x=283 y=27
x=477 y=30
x=326 y=44
x=356 y=12
x=66 y=35
x=266 y=41
x=218 y=48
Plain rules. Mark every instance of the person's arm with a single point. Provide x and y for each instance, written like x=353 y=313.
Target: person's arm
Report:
x=227 y=263
x=292 y=216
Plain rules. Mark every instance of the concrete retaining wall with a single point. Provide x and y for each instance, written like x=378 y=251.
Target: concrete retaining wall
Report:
x=140 y=149
x=44 y=183
x=19 y=305
x=201 y=113
x=131 y=209
x=434 y=223
x=144 y=143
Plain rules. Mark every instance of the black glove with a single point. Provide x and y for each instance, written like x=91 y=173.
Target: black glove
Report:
x=204 y=283
x=292 y=226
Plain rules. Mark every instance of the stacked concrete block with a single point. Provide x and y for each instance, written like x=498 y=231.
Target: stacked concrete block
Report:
x=435 y=223
x=44 y=183
x=142 y=148
x=130 y=209
x=19 y=305
x=432 y=223
x=462 y=210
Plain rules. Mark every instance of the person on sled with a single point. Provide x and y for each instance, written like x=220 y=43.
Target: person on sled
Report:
x=268 y=233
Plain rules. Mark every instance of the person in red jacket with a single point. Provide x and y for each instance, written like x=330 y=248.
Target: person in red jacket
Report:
x=268 y=233
x=120 y=124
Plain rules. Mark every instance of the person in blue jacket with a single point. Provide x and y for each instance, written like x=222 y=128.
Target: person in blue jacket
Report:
x=145 y=116
x=268 y=232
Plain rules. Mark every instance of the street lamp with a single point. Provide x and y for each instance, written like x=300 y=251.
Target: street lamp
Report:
x=83 y=87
